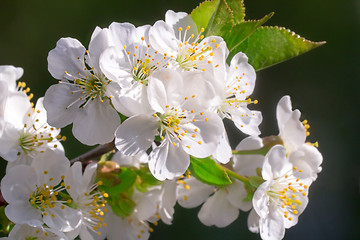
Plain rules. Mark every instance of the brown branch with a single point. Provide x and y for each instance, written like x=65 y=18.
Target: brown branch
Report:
x=94 y=153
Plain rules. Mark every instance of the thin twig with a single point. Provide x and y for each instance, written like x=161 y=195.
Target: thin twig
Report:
x=94 y=153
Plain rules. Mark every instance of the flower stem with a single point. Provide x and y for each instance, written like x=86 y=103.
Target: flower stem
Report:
x=260 y=151
x=94 y=153
x=235 y=175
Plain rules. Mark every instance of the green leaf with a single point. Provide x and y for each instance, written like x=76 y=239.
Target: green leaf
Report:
x=237 y=8
x=203 y=13
x=268 y=46
x=145 y=180
x=122 y=117
x=221 y=21
x=256 y=181
x=207 y=171
x=5 y=223
x=122 y=205
x=235 y=36
x=125 y=180
x=250 y=193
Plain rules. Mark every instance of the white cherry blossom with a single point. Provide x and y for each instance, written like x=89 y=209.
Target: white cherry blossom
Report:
x=179 y=39
x=293 y=133
x=221 y=205
x=235 y=85
x=281 y=198
x=130 y=62
x=24 y=231
x=33 y=193
x=83 y=95
x=25 y=132
x=158 y=203
x=181 y=129
x=86 y=199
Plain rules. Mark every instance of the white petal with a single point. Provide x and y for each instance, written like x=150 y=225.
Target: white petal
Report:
x=165 y=89
x=223 y=152
x=308 y=158
x=3 y=97
x=122 y=33
x=247 y=164
x=272 y=227
x=167 y=161
x=237 y=193
x=239 y=67
x=100 y=40
x=57 y=98
x=9 y=141
x=117 y=66
x=9 y=74
x=162 y=38
x=18 y=183
x=16 y=108
x=65 y=220
x=180 y=19
x=24 y=213
x=54 y=163
x=132 y=101
x=253 y=221
x=218 y=211
x=247 y=121
x=291 y=129
x=64 y=57
x=96 y=123
x=136 y=134
x=147 y=206
x=197 y=194
x=275 y=164
x=209 y=129
x=73 y=178
x=261 y=199
x=168 y=201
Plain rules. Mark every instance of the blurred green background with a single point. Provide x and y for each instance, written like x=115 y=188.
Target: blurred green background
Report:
x=324 y=84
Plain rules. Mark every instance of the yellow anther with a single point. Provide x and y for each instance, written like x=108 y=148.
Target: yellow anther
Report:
x=180 y=29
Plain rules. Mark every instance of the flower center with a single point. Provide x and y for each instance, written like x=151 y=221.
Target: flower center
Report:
x=287 y=192
x=144 y=60
x=45 y=197
x=194 y=54
x=37 y=135
x=92 y=205
x=142 y=71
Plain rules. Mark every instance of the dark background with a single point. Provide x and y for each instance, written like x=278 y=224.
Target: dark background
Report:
x=323 y=84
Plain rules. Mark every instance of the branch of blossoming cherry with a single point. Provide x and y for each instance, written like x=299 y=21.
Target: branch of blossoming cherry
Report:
x=94 y=153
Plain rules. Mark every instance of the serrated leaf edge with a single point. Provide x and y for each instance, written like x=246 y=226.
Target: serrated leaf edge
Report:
x=292 y=34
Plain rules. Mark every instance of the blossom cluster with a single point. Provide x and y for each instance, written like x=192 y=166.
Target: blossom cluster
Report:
x=160 y=93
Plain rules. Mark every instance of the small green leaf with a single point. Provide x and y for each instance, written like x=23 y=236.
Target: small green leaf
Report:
x=250 y=193
x=235 y=36
x=207 y=171
x=122 y=117
x=125 y=180
x=271 y=45
x=256 y=181
x=5 y=223
x=203 y=13
x=145 y=180
x=122 y=205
